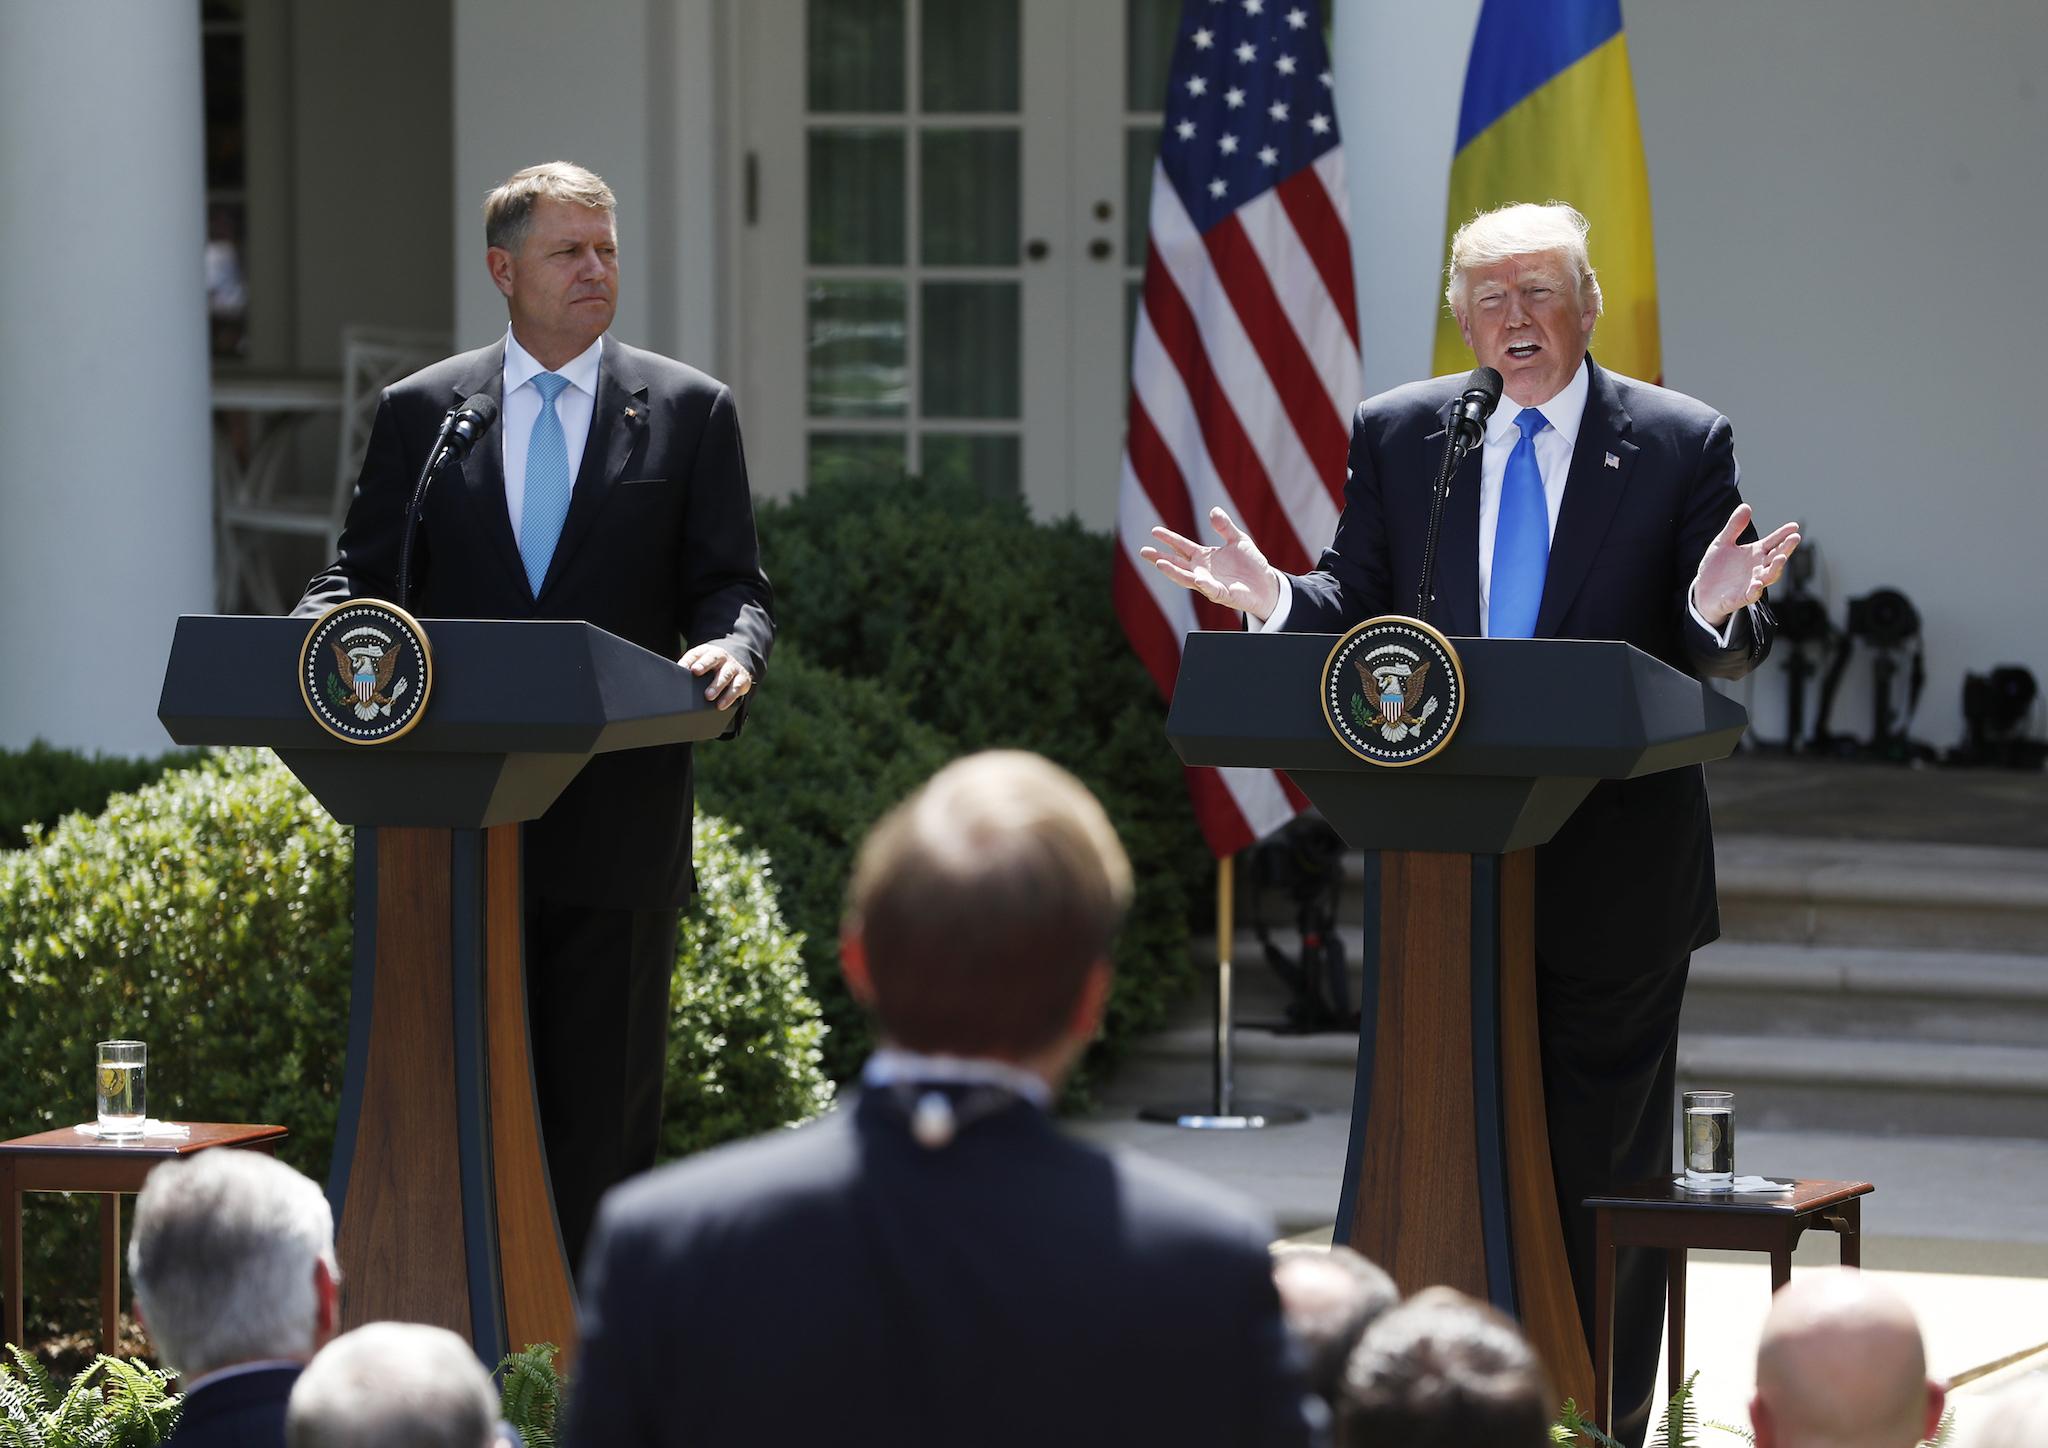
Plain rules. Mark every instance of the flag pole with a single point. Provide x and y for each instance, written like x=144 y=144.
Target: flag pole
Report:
x=1222 y=1112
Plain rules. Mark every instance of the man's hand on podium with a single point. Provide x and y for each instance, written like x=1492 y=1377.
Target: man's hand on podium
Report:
x=732 y=681
x=1734 y=575
x=1234 y=573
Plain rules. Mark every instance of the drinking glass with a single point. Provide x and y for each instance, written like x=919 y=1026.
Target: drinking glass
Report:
x=122 y=1089
x=1709 y=1141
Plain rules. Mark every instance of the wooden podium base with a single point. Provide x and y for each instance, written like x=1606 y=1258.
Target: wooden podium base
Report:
x=440 y=1184
x=1447 y=1178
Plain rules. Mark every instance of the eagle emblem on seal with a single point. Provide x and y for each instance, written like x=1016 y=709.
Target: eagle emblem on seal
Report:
x=367 y=662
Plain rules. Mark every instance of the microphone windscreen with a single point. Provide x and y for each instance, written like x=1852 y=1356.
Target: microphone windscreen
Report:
x=1486 y=381
x=484 y=408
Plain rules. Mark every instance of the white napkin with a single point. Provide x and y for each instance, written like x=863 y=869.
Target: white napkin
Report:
x=1745 y=1186
x=151 y=1127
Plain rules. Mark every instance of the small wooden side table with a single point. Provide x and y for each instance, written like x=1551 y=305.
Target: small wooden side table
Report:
x=64 y=1161
x=1656 y=1213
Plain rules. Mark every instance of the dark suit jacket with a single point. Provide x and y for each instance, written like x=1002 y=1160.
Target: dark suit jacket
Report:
x=243 y=1411
x=1633 y=869
x=842 y=1284
x=658 y=548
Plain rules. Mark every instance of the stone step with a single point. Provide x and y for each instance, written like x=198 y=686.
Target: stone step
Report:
x=1881 y=1088
x=1760 y=988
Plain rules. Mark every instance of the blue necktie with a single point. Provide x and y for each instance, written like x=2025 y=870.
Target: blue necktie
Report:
x=1521 y=539
x=547 y=483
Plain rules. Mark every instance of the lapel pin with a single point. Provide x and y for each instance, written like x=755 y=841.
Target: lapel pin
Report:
x=1610 y=461
x=631 y=413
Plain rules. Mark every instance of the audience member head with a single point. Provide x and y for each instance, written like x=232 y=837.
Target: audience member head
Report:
x=2016 y=1418
x=1840 y=1363
x=393 y=1385
x=1443 y=1371
x=232 y=1257
x=981 y=914
x=1329 y=1297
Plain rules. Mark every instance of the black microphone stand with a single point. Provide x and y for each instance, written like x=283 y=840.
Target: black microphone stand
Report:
x=437 y=458
x=1455 y=448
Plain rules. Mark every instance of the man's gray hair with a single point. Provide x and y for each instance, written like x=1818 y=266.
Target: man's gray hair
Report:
x=222 y=1257
x=508 y=210
x=1522 y=229
x=393 y=1385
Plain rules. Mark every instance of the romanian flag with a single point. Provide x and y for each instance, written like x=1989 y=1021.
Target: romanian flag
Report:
x=1550 y=115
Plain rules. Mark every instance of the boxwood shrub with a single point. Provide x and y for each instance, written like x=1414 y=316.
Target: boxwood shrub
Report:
x=208 y=914
x=42 y=783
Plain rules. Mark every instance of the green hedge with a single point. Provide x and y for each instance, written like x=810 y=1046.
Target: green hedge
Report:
x=822 y=757
x=41 y=784
x=208 y=914
x=998 y=632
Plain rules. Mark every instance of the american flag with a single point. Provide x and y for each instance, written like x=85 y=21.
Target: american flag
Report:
x=1244 y=366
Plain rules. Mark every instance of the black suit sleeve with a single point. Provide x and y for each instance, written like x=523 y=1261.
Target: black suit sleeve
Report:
x=616 y=1377
x=367 y=563
x=1716 y=493
x=725 y=598
x=1353 y=578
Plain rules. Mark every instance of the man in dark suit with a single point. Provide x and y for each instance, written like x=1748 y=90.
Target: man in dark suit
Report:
x=613 y=490
x=1597 y=507
x=937 y=1264
x=232 y=1257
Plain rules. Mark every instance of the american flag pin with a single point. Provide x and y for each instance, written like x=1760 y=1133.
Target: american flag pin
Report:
x=1610 y=461
x=631 y=413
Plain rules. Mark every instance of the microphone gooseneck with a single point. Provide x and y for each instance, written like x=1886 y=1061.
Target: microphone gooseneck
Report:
x=1467 y=425
x=465 y=423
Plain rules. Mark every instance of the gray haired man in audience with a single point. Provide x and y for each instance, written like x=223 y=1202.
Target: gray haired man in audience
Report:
x=232 y=1256
x=1841 y=1362
x=1329 y=1296
x=1444 y=1371
x=394 y=1385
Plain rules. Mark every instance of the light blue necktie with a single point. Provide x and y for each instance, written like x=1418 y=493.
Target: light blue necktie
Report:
x=1521 y=539
x=547 y=483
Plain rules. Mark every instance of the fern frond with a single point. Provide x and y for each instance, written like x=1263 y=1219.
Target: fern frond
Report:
x=1739 y=1430
x=1573 y=1428
x=1945 y=1430
x=531 y=1393
x=36 y=1377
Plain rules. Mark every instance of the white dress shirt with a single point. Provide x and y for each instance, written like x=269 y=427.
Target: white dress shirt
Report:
x=574 y=406
x=1564 y=412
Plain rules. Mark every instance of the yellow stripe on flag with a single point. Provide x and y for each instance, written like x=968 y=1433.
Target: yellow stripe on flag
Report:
x=1576 y=140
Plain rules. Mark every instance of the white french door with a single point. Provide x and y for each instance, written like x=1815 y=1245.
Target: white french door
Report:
x=940 y=232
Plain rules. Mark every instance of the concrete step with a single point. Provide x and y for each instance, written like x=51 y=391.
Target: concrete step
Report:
x=1762 y=988
x=1881 y=1088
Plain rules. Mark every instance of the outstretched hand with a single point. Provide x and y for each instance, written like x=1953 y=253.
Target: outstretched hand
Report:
x=1734 y=575
x=1233 y=573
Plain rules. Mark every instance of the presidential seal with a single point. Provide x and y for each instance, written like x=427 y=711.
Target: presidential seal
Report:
x=365 y=671
x=1393 y=690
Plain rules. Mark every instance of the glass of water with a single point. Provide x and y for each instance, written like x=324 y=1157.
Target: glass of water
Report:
x=1709 y=1141
x=122 y=1089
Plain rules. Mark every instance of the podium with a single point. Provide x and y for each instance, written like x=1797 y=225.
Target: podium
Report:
x=1447 y=1174
x=439 y=1182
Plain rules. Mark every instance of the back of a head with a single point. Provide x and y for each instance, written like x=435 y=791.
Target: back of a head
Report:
x=982 y=902
x=223 y=1254
x=393 y=1385
x=1444 y=1371
x=1840 y=1363
x=1329 y=1297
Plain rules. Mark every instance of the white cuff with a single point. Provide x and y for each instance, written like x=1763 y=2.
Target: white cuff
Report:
x=1278 y=618
x=1719 y=635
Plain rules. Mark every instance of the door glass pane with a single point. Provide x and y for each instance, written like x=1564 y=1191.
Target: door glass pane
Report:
x=969 y=56
x=855 y=53
x=857 y=457
x=990 y=464
x=855 y=180
x=970 y=185
x=855 y=335
x=971 y=344
x=1149 y=30
x=1141 y=150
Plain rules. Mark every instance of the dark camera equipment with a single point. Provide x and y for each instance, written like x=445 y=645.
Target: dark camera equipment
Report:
x=1886 y=621
x=1996 y=709
x=1303 y=864
x=1806 y=630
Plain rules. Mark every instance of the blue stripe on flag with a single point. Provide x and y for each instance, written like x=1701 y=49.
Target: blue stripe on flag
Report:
x=1520 y=45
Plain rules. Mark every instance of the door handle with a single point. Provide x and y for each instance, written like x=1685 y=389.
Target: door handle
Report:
x=1037 y=249
x=1101 y=248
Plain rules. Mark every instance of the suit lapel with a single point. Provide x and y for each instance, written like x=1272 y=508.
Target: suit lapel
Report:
x=1592 y=492
x=617 y=424
x=483 y=471
x=1457 y=550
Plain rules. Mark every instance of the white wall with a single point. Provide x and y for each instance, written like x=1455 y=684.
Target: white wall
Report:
x=627 y=89
x=104 y=440
x=1850 y=199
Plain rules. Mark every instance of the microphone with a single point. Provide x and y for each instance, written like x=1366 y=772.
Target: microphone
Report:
x=460 y=429
x=1469 y=415
x=1468 y=424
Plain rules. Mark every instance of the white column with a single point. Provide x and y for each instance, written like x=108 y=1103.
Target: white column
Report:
x=105 y=448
